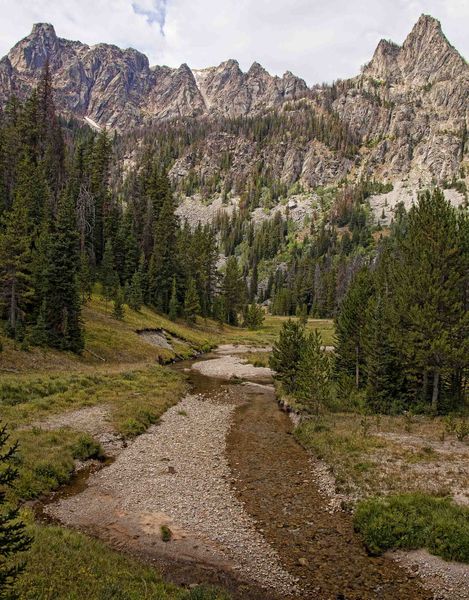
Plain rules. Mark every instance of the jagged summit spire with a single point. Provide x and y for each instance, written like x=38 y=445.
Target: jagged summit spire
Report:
x=426 y=29
x=425 y=56
x=427 y=22
x=44 y=30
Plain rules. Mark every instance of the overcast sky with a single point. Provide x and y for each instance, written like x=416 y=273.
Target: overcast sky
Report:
x=319 y=40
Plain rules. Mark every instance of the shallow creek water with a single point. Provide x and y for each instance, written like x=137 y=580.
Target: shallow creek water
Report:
x=273 y=479
x=275 y=483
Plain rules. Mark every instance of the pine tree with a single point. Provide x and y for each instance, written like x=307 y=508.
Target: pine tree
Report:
x=350 y=327
x=163 y=258
x=233 y=287
x=313 y=377
x=428 y=279
x=302 y=313
x=191 y=302
x=173 y=303
x=385 y=379
x=60 y=294
x=99 y=189
x=135 y=293
x=253 y=283
x=16 y=263
x=85 y=278
x=13 y=537
x=51 y=142
x=254 y=317
x=286 y=354
x=219 y=309
x=39 y=335
x=118 y=310
x=109 y=279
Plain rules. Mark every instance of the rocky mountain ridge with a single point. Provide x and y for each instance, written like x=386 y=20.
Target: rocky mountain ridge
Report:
x=406 y=114
x=118 y=88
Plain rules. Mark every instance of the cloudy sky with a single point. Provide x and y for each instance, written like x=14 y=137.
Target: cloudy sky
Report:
x=316 y=39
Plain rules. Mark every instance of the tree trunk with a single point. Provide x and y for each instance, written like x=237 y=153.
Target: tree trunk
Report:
x=436 y=387
x=425 y=386
x=13 y=306
x=357 y=367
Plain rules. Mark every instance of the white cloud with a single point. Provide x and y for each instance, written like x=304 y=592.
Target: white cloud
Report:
x=317 y=40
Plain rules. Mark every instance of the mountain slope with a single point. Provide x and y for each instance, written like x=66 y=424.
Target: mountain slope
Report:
x=405 y=116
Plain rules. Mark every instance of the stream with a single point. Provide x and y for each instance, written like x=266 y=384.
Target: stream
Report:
x=225 y=474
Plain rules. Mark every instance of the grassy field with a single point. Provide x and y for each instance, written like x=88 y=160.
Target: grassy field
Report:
x=268 y=333
x=405 y=477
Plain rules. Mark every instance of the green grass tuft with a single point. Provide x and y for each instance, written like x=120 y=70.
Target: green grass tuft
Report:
x=86 y=448
x=166 y=534
x=413 y=521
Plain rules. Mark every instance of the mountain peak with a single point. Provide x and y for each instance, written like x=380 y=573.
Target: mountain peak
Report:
x=427 y=22
x=426 y=55
x=427 y=30
x=45 y=30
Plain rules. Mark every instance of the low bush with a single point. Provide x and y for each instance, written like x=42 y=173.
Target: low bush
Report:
x=166 y=534
x=86 y=447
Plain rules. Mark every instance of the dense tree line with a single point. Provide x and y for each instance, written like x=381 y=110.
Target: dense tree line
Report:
x=67 y=222
x=403 y=326
x=39 y=243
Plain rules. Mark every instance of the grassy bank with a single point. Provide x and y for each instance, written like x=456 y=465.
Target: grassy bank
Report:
x=67 y=565
x=400 y=475
x=412 y=521
x=111 y=342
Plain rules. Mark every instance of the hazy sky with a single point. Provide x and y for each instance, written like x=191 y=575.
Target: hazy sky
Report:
x=319 y=40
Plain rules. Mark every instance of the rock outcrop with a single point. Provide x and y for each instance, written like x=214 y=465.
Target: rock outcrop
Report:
x=411 y=106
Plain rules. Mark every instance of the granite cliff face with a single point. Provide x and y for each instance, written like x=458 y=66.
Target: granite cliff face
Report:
x=406 y=114
x=411 y=106
x=118 y=88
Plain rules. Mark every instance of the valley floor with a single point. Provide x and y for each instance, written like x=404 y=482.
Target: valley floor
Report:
x=224 y=475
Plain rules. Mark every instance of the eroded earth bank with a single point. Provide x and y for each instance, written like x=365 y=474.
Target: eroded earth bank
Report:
x=224 y=474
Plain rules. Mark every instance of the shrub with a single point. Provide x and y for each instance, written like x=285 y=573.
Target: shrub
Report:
x=86 y=447
x=166 y=533
x=202 y=592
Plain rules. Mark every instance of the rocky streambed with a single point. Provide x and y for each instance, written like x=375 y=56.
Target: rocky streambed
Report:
x=223 y=474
